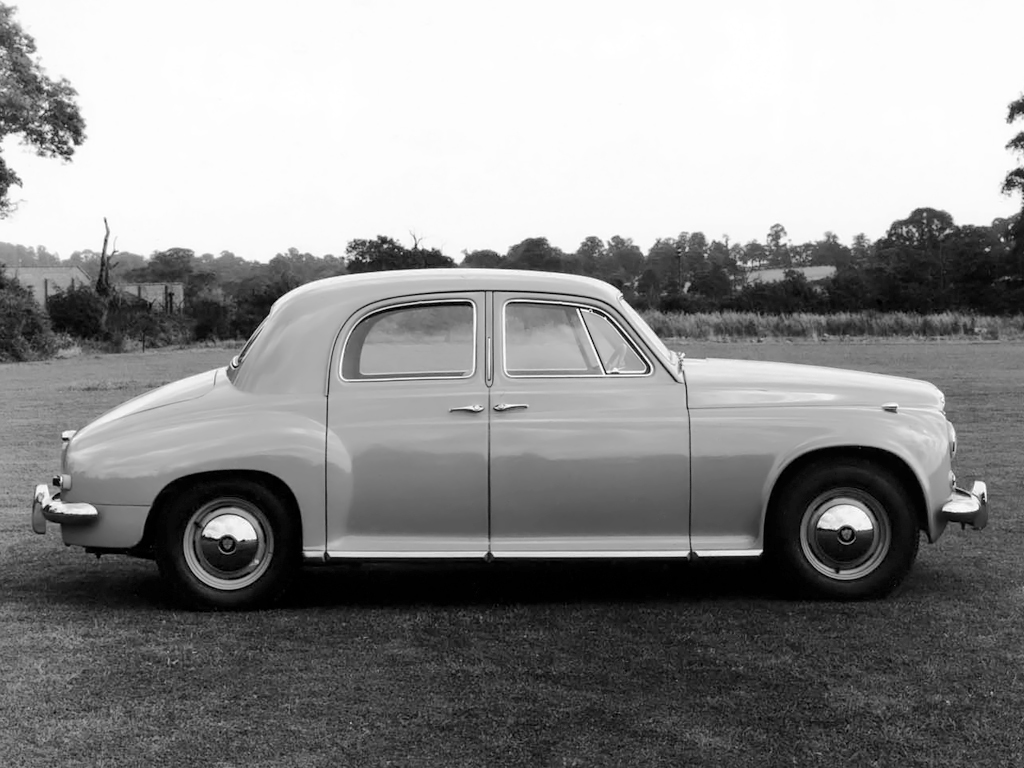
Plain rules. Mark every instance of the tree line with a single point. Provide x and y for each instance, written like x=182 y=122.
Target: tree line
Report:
x=925 y=263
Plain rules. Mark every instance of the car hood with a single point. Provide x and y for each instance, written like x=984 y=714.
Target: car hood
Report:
x=745 y=383
x=176 y=392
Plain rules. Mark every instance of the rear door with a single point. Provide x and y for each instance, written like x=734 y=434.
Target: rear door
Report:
x=407 y=431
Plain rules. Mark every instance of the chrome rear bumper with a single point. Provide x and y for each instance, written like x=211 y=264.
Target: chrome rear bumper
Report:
x=967 y=507
x=50 y=508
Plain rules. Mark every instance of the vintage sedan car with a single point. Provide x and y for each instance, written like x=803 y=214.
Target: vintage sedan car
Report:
x=499 y=414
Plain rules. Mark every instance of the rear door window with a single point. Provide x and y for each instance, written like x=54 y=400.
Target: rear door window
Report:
x=435 y=340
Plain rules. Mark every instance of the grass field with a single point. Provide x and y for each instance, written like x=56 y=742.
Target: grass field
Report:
x=551 y=666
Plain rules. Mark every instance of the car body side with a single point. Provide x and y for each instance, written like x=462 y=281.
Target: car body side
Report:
x=268 y=418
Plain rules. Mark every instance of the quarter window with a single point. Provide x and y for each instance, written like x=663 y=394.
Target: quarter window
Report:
x=617 y=355
x=432 y=341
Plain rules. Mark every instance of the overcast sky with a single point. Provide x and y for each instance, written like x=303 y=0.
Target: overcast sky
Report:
x=253 y=126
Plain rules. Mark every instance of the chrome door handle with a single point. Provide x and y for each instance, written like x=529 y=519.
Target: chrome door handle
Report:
x=509 y=406
x=470 y=408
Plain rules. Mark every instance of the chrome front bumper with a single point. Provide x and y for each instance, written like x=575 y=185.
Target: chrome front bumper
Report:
x=967 y=507
x=46 y=507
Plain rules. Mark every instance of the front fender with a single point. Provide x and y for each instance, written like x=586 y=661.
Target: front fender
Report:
x=739 y=454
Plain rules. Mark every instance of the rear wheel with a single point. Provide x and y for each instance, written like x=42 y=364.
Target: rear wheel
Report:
x=844 y=530
x=227 y=544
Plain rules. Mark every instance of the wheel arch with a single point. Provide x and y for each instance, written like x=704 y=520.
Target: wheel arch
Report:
x=271 y=482
x=887 y=460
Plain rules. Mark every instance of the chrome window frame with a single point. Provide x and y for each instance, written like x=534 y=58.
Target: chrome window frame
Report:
x=414 y=377
x=672 y=360
x=578 y=307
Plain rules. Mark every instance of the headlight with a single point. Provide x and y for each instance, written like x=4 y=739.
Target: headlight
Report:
x=952 y=438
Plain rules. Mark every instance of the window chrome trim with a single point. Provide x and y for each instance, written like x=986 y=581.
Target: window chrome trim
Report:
x=572 y=305
x=415 y=377
x=590 y=338
x=489 y=361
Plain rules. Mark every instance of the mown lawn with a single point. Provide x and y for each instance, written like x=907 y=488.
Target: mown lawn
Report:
x=562 y=665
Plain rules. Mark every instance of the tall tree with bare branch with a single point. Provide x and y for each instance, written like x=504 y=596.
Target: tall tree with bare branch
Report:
x=107 y=263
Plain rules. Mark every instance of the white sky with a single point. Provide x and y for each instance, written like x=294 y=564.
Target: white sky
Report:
x=255 y=126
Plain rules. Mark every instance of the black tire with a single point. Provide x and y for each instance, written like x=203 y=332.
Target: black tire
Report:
x=227 y=545
x=843 y=530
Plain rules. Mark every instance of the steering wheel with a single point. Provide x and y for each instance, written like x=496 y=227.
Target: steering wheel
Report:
x=618 y=359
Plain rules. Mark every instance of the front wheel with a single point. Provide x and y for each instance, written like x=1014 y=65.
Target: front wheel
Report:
x=227 y=545
x=844 y=530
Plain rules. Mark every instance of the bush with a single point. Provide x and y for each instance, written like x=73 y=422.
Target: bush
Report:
x=78 y=311
x=212 y=319
x=134 y=321
x=25 y=332
x=805 y=325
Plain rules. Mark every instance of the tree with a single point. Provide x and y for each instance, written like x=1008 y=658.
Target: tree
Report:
x=41 y=111
x=661 y=271
x=1014 y=181
x=754 y=256
x=384 y=253
x=485 y=259
x=910 y=267
x=828 y=252
x=622 y=262
x=88 y=260
x=230 y=270
x=534 y=253
x=861 y=250
x=975 y=256
x=589 y=254
x=777 y=243
x=296 y=268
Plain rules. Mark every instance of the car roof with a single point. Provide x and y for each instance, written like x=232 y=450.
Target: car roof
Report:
x=414 y=281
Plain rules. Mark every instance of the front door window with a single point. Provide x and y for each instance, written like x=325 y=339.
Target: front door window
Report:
x=553 y=339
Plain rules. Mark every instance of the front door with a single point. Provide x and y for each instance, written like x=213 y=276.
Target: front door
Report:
x=407 y=431
x=589 y=436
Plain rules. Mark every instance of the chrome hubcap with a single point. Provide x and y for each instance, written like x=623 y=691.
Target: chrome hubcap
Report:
x=228 y=544
x=844 y=534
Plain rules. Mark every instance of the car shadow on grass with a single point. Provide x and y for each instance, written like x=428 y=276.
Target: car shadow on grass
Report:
x=115 y=583
x=375 y=585
x=121 y=583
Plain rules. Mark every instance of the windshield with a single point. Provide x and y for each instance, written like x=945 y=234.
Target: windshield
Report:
x=670 y=358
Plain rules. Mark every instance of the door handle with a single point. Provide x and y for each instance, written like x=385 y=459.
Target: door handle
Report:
x=470 y=408
x=509 y=406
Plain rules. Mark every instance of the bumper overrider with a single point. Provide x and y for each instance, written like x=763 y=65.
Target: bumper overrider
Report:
x=50 y=508
x=967 y=507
